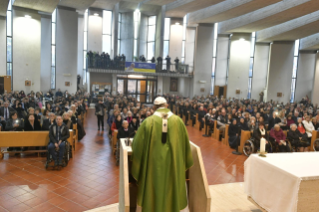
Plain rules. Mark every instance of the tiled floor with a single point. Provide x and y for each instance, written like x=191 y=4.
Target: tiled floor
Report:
x=91 y=178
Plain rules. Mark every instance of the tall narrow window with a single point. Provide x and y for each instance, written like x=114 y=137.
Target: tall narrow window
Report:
x=167 y=27
x=9 y=43
x=137 y=17
x=119 y=34
x=53 y=49
x=294 y=71
x=85 y=46
x=251 y=63
x=151 y=29
x=212 y=83
x=107 y=31
x=184 y=38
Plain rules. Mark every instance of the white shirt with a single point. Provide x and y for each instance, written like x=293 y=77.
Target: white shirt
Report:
x=308 y=127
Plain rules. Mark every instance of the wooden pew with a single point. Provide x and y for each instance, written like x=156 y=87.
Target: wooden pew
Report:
x=174 y=109
x=197 y=123
x=245 y=135
x=215 y=130
x=114 y=140
x=28 y=139
x=189 y=119
x=226 y=137
x=315 y=135
x=177 y=111
x=75 y=136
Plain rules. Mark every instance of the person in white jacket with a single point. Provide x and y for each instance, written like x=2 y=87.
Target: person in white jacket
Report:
x=308 y=127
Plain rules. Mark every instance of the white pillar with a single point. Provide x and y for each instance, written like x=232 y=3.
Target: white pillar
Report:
x=46 y=59
x=315 y=96
x=3 y=45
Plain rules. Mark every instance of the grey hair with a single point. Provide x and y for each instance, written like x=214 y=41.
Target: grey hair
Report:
x=51 y=114
x=293 y=125
x=277 y=125
x=299 y=118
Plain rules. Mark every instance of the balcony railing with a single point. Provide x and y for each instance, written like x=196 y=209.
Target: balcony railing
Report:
x=119 y=65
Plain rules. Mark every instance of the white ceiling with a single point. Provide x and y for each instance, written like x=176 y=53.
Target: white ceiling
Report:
x=3 y=7
x=41 y=5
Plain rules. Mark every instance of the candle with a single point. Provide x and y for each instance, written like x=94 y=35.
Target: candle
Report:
x=262 y=145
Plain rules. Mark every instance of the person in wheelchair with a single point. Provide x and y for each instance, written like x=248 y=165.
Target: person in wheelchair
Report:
x=58 y=134
x=297 y=139
x=278 y=138
x=259 y=133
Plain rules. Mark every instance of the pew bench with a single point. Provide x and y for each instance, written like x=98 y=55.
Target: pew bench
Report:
x=245 y=135
x=28 y=139
x=225 y=140
x=315 y=135
x=114 y=141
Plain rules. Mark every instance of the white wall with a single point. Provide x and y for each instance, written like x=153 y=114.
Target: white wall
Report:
x=26 y=49
x=46 y=40
x=175 y=44
x=80 y=44
x=190 y=47
x=3 y=46
x=305 y=75
x=280 y=71
x=260 y=71
x=66 y=49
x=203 y=58
x=160 y=85
x=239 y=66
x=221 y=63
x=95 y=30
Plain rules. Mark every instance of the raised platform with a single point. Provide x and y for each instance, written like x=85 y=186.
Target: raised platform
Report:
x=225 y=198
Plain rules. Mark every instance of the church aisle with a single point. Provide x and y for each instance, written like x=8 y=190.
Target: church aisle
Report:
x=91 y=179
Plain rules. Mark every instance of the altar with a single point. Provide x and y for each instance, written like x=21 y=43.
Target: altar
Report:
x=283 y=182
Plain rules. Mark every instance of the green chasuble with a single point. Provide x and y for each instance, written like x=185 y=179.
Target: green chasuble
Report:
x=160 y=168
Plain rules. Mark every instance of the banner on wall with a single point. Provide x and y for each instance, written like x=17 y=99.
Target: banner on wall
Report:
x=140 y=67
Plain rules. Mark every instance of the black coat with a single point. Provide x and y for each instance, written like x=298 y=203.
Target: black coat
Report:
x=47 y=124
x=125 y=134
x=11 y=122
x=11 y=110
x=28 y=127
x=65 y=134
x=99 y=109
x=233 y=130
x=272 y=121
x=257 y=135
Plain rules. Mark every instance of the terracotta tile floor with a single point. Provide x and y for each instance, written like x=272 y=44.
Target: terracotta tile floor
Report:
x=91 y=179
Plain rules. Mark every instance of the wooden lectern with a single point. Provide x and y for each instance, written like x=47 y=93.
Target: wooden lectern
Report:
x=199 y=199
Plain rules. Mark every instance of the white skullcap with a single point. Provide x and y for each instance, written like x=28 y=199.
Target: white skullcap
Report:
x=160 y=100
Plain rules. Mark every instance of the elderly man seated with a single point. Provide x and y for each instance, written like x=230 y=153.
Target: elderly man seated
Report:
x=58 y=134
x=297 y=139
x=279 y=137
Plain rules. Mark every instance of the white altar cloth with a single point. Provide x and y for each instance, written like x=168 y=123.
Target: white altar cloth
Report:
x=274 y=182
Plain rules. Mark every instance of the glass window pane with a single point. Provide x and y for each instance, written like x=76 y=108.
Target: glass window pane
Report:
x=152 y=20
x=296 y=48
x=212 y=86
x=84 y=59
x=54 y=16
x=120 y=17
x=131 y=86
x=9 y=49
x=150 y=50
x=135 y=48
x=118 y=46
x=86 y=21
x=9 y=69
x=119 y=31
x=120 y=86
x=53 y=55
x=9 y=23
x=10 y=5
x=252 y=47
x=85 y=46
x=53 y=33
x=215 y=30
x=106 y=44
x=213 y=67
x=151 y=33
x=251 y=66
x=185 y=19
x=215 y=48
x=294 y=72
x=182 y=60
x=166 y=49
x=107 y=22
x=167 y=28
x=183 y=48
x=53 y=78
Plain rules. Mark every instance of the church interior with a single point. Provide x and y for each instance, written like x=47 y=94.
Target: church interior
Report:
x=159 y=105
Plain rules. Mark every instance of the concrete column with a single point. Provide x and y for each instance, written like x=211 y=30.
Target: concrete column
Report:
x=3 y=44
x=238 y=74
x=222 y=60
x=260 y=71
x=26 y=49
x=280 y=71
x=115 y=27
x=80 y=45
x=95 y=31
x=305 y=75
x=142 y=41
x=176 y=38
x=203 y=59
x=160 y=85
x=315 y=96
x=46 y=60
x=67 y=49
x=160 y=21
x=190 y=47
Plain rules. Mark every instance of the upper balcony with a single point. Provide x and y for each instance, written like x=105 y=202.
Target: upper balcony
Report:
x=117 y=66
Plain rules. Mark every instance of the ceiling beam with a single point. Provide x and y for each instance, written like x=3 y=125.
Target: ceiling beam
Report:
x=269 y=16
x=310 y=43
x=226 y=10
x=77 y=4
x=3 y=7
x=291 y=30
x=105 y=5
x=40 y=5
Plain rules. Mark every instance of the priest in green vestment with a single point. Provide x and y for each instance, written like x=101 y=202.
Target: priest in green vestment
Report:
x=161 y=157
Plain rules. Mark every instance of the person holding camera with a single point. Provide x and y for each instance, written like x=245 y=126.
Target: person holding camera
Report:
x=14 y=124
